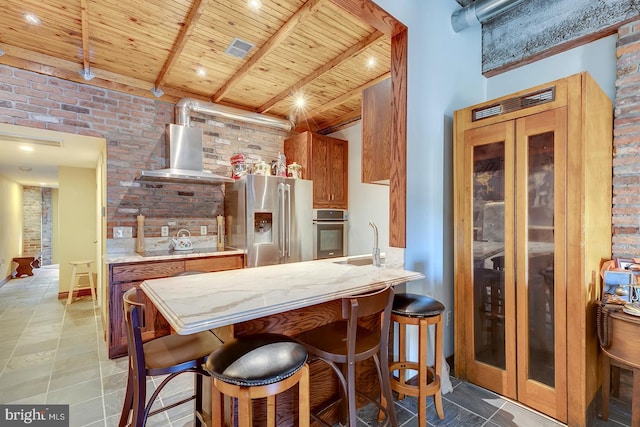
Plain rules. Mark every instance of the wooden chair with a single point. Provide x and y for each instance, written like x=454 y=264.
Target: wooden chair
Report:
x=344 y=343
x=170 y=355
x=254 y=367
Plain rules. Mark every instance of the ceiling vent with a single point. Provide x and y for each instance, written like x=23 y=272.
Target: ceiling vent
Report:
x=239 y=48
x=514 y=104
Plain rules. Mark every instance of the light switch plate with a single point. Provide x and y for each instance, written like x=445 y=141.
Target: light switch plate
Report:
x=164 y=231
x=122 y=232
x=203 y=230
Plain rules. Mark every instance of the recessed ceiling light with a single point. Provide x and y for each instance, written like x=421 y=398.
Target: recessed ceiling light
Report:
x=254 y=4
x=32 y=19
x=300 y=101
x=201 y=71
x=371 y=62
x=26 y=148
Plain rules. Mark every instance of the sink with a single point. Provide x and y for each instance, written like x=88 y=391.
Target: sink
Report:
x=359 y=261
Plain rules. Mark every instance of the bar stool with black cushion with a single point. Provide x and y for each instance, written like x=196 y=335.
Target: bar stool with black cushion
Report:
x=169 y=355
x=344 y=343
x=255 y=367
x=423 y=311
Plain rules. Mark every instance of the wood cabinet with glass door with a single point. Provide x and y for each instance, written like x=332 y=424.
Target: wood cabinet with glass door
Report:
x=532 y=213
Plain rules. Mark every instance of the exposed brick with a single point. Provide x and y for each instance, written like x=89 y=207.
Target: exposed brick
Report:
x=75 y=109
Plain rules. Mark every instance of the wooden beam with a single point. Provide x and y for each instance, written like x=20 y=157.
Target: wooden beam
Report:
x=536 y=30
x=283 y=32
x=344 y=56
x=373 y=15
x=339 y=100
x=84 y=18
x=339 y=123
x=190 y=23
x=398 y=180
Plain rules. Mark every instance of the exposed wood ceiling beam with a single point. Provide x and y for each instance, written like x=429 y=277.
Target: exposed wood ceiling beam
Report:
x=339 y=100
x=339 y=123
x=372 y=14
x=84 y=18
x=352 y=51
x=189 y=25
x=298 y=17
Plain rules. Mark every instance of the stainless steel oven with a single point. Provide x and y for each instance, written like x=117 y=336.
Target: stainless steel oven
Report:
x=330 y=233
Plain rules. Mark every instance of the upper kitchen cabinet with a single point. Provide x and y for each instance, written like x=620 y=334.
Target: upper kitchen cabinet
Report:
x=376 y=133
x=532 y=222
x=324 y=160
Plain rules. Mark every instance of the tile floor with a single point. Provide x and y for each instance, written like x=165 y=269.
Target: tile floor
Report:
x=51 y=353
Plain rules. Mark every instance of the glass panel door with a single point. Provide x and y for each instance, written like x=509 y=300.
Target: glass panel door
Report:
x=490 y=304
x=540 y=287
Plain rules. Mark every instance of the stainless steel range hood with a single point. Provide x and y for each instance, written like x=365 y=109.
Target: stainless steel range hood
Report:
x=185 y=159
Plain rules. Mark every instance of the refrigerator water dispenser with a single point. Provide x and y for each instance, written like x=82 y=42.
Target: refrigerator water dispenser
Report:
x=262 y=227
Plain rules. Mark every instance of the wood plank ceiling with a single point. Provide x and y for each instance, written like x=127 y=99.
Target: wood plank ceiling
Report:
x=313 y=49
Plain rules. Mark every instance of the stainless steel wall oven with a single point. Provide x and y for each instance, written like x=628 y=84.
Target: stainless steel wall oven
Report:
x=330 y=233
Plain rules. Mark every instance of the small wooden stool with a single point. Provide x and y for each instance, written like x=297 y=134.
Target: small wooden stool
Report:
x=414 y=309
x=25 y=266
x=75 y=279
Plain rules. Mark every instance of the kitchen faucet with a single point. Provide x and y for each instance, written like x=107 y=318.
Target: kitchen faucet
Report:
x=375 y=255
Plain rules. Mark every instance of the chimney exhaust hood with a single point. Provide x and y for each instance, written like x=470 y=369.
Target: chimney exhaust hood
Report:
x=185 y=159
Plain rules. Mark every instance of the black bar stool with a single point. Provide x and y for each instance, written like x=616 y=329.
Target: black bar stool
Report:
x=420 y=310
x=258 y=366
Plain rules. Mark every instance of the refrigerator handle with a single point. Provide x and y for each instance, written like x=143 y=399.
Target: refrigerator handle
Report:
x=281 y=220
x=288 y=219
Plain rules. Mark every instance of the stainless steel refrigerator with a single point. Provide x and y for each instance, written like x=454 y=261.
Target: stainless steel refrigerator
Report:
x=270 y=218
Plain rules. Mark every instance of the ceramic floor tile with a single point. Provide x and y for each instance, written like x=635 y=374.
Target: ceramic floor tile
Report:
x=477 y=400
x=87 y=412
x=454 y=415
x=514 y=415
x=62 y=379
x=76 y=393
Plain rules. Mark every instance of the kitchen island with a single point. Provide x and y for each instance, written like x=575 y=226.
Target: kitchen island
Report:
x=129 y=269
x=285 y=298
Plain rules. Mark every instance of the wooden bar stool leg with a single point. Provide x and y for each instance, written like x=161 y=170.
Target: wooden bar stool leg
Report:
x=402 y=354
x=217 y=407
x=304 y=405
x=437 y=363
x=423 y=370
x=93 y=286
x=73 y=284
x=271 y=411
x=245 y=417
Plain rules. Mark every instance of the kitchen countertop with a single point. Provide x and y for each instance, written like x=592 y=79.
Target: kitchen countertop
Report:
x=204 y=301
x=158 y=255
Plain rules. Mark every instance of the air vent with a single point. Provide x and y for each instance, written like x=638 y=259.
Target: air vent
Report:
x=239 y=48
x=514 y=104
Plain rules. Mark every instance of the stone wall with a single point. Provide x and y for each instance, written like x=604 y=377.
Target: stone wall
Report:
x=626 y=140
x=134 y=128
x=47 y=226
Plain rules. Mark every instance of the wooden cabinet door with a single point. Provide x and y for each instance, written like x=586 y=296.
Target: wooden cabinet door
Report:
x=320 y=172
x=515 y=267
x=489 y=276
x=541 y=159
x=338 y=158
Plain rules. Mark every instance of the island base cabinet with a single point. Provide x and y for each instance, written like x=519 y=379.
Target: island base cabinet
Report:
x=125 y=276
x=323 y=381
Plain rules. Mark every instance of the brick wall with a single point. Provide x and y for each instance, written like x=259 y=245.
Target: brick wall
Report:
x=134 y=128
x=47 y=226
x=626 y=140
x=31 y=216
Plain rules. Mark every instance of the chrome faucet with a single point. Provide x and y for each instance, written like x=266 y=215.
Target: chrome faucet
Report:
x=375 y=255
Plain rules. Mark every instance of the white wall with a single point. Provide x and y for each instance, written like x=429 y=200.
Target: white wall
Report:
x=11 y=223
x=444 y=74
x=367 y=202
x=598 y=58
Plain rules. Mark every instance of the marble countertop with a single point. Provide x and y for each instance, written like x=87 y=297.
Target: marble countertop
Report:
x=204 y=301
x=158 y=255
